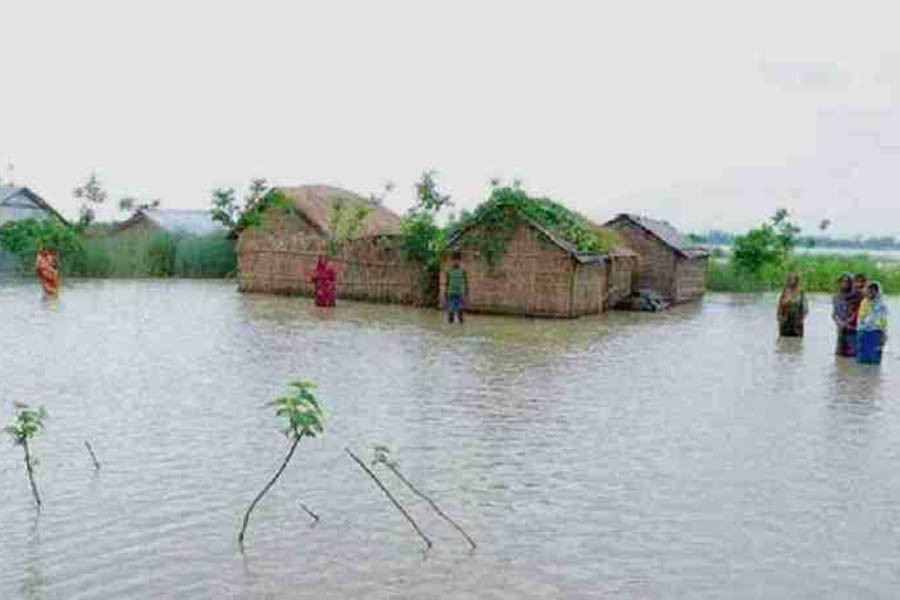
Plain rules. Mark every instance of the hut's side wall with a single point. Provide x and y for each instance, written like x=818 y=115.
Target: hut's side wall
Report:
x=534 y=277
x=281 y=258
x=623 y=274
x=589 y=295
x=690 y=277
x=656 y=262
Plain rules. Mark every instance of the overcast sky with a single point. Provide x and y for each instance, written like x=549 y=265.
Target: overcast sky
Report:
x=708 y=114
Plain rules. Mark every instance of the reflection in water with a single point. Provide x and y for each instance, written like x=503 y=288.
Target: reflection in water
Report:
x=33 y=580
x=618 y=455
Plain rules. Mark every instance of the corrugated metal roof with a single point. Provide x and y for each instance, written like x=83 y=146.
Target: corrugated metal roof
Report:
x=8 y=192
x=193 y=222
x=666 y=233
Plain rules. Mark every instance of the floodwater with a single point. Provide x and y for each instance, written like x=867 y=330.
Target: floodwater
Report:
x=687 y=454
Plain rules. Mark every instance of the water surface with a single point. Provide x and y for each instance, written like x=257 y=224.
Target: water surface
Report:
x=687 y=454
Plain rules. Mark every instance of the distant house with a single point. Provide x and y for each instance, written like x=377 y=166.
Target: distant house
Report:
x=147 y=221
x=279 y=254
x=540 y=273
x=668 y=263
x=19 y=203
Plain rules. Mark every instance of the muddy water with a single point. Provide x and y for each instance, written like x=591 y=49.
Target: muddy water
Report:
x=689 y=454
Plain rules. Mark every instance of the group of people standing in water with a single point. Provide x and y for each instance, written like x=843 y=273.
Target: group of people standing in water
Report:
x=859 y=313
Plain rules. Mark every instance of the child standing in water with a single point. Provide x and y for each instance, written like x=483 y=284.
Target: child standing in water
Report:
x=872 y=326
x=457 y=285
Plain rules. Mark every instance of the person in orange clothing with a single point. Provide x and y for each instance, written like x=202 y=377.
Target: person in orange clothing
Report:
x=47 y=270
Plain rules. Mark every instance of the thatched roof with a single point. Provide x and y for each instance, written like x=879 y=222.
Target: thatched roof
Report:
x=316 y=202
x=664 y=232
x=192 y=222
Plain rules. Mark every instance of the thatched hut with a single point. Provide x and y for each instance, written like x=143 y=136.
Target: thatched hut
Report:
x=293 y=226
x=531 y=256
x=150 y=221
x=669 y=264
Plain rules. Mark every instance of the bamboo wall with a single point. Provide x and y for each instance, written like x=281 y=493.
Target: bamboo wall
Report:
x=656 y=265
x=282 y=259
x=623 y=278
x=690 y=278
x=534 y=277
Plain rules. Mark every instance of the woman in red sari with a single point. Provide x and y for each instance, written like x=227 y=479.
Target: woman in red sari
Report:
x=325 y=280
x=47 y=270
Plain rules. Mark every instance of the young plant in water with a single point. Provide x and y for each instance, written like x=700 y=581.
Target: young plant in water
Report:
x=382 y=457
x=304 y=417
x=27 y=424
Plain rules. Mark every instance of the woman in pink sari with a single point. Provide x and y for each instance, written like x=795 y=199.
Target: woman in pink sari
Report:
x=325 y=280
x=47 y=270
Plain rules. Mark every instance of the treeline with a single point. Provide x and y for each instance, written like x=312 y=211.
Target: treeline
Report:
x=762 y=258
x=724 y=238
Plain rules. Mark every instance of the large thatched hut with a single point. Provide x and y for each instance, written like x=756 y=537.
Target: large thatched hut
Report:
x=293 y=226
x=669 y=264
x=531 y=256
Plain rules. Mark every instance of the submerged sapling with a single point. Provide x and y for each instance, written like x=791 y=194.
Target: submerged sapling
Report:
x=304 y=417
x=27 y=424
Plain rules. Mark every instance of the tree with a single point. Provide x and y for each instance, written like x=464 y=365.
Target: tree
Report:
x=129 y=203
x=25 y=237
x=225 y=208
x=345 y=223
x=303 y=417
x=92 y=195
x=768 y=247
x=27 y=424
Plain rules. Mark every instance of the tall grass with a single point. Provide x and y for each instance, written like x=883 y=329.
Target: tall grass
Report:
x=156 y=255
x=819 y=274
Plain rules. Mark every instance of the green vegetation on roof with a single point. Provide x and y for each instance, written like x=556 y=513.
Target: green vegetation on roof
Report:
x=507 y=207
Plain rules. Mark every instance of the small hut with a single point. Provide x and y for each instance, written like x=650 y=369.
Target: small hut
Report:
x=516 y=264
x=668 y=264
x=17 y=204
x=293 y=226
x=149 y=221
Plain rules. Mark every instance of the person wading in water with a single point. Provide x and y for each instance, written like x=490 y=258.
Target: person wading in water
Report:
x=872 y=326
x=325 y=280
x=47 y=270
x=792 y=308
x=846 y=305
x=457 y=290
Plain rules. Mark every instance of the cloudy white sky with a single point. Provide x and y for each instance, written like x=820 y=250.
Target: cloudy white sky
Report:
x=709 y=114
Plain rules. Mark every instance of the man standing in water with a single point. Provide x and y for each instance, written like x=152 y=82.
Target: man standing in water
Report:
x=457 y=289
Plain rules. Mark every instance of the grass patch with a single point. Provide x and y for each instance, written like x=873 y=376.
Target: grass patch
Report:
x=157 y=255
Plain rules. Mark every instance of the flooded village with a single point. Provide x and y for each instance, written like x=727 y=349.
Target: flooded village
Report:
x=577 y=423
x=459 y=301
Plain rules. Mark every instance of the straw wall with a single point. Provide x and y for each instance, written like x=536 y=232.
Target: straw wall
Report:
x=282 y=259
x=690 y=277
x=623 y=272
x=534 y=277
x=656 y=265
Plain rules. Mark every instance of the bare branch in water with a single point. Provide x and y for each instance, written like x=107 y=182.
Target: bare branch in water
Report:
x=374 y=477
